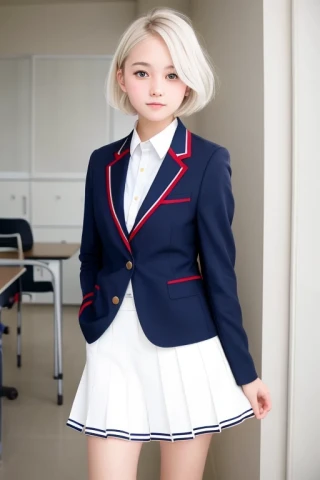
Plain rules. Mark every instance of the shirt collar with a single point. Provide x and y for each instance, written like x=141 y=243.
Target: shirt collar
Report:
x=161 y=141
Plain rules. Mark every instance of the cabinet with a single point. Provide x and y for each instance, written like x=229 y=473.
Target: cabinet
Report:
x=64 y=203
x=14 y=199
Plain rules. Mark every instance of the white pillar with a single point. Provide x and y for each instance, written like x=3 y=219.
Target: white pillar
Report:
x=304 y=385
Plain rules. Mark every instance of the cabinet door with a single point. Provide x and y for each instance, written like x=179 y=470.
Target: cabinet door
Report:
x=14 y=199
x=71 y=292
x=57 y=203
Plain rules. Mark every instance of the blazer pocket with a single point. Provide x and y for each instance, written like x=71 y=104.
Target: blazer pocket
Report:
x=184 y=287
x=177 y=198
x=85 y=304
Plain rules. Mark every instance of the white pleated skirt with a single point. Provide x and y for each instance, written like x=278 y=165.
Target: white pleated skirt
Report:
x=135 y=390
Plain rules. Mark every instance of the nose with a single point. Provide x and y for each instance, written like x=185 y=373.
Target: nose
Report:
x=156 y=88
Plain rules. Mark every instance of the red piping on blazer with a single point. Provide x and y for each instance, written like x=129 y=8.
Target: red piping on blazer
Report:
x=177 y=200
x=177 y=157
x=185 y=279
x=118 y=156
x=87 y=295
x=84 y=306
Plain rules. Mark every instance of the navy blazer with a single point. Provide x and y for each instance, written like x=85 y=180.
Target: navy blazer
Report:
x=187 y=211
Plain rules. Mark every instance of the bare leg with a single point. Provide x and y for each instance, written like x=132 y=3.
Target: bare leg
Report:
x=184 y=459
x=112 y=458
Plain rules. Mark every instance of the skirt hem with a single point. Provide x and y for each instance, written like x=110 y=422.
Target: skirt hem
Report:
x=157 y=436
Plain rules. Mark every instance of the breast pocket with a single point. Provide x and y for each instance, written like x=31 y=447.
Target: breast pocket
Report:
x=177 y=198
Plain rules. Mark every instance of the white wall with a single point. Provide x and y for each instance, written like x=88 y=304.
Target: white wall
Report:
x=84 y=28
x=250 y=43
x=232 y=33
x=304 y=437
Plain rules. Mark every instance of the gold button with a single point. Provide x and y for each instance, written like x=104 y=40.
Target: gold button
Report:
x=141 y=169
x=129 y=265
x=115 y=300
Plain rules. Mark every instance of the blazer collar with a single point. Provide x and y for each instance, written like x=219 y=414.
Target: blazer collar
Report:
x=170 y=173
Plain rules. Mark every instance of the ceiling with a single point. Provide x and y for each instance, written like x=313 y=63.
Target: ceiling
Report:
x=47 y=2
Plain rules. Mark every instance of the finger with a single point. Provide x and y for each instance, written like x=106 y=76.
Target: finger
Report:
x=255 y=407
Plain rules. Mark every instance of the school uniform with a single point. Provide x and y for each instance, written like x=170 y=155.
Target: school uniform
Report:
x=166 y=349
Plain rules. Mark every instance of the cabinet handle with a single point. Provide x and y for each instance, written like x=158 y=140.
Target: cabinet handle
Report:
x=24 y=205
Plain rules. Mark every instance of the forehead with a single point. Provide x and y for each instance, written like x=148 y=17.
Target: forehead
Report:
x=152 y=50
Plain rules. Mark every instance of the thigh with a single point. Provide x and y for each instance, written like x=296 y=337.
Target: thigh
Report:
x=112 y=458
x=184 y=459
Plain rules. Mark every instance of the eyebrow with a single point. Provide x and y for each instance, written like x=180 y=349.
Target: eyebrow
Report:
x=144 y=64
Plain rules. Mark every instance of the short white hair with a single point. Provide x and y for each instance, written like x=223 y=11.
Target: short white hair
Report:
x=190 y=59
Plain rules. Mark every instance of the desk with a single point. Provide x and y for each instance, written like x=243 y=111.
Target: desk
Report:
x=8 y=277
x=53 y=255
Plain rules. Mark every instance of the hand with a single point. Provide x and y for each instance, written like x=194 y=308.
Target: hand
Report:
x=259 y=397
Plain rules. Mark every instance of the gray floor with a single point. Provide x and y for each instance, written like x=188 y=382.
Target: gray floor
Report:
x=36 y=443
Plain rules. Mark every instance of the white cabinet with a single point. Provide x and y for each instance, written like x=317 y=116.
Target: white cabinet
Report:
x=57 y=203
x=71 y=292
x=14 y=199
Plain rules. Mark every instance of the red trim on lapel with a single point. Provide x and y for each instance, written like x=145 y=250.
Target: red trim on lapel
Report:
x=183 y=168
x=187 y=152
x=118 y=156
x=178 y=157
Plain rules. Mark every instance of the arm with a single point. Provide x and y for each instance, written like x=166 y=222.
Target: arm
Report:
x=217 y=257
x=90 y=249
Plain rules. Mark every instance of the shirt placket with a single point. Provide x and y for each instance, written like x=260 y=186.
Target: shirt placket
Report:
x=137 y=197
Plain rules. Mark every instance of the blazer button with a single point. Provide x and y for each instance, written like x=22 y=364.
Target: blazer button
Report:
x=115 y=300
x=129 y=265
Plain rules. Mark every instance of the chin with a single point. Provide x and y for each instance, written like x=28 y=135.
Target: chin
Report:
x=157 y=116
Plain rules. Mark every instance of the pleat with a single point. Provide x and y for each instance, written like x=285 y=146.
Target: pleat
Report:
x=197 y=386
x=172 y=387
x=91 y=382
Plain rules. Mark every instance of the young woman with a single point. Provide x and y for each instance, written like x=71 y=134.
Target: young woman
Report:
x=167 y=355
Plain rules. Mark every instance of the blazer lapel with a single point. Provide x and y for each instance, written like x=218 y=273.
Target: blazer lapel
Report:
x=170 y=173
x=116 y=173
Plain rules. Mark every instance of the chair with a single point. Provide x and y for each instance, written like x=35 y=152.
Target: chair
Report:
x=9 y=228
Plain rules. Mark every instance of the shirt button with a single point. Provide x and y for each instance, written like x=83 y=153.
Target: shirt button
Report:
x=136 y=198
x=115 y=300
x=141 y=169
x=129 y=265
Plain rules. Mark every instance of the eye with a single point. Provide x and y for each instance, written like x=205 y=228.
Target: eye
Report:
x=172 y=76
x=141 y=72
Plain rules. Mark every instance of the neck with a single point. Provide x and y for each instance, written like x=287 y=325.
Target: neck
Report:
x=147 y=129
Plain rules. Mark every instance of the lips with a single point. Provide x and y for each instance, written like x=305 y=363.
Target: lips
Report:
x=157 y=104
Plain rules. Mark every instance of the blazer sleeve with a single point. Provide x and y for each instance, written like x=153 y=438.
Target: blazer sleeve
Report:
x=90 y=248
x=217 y=259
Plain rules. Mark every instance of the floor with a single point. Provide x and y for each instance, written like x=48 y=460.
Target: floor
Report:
x=36 y=443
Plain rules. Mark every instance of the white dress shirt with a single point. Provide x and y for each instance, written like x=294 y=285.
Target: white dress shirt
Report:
x=145 y=161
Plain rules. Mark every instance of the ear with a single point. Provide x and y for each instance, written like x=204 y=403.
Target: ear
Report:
x=120 y=79
x=187 y=92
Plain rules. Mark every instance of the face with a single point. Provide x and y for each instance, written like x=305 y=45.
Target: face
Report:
x=151 y=81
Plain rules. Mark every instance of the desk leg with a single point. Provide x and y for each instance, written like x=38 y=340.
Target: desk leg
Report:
x=56 y=267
